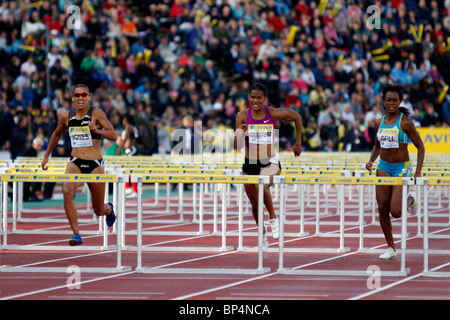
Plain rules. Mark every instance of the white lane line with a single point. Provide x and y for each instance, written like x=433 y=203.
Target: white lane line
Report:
x=198 y=293
x=21 y=295
x=403 y=280
x=171 y=264
x=367 y=294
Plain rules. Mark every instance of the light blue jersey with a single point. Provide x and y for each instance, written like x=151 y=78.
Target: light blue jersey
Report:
x=391 y=136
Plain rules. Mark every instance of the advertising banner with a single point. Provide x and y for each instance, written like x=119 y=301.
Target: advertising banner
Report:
x=436 y=140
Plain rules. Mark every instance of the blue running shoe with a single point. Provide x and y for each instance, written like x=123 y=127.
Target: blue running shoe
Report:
x=76 y=240
x=110 y=218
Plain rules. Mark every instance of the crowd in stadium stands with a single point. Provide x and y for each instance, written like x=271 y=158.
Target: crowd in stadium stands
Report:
x=168 y=62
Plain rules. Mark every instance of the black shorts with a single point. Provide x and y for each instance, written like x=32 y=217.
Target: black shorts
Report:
x=253 y=167
x=86 y=166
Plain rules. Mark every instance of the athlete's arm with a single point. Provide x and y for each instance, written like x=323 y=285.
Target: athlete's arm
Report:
x=56 y=136
x=410 y=129
x=376 y=149
x=288 y=114
x=107 y=130
x=241 y=128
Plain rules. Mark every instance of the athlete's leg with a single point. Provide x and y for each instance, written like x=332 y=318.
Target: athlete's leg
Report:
x=270 y=170
x=97 y=190
x=69 y=189
x=252 y=193
x=384 y=195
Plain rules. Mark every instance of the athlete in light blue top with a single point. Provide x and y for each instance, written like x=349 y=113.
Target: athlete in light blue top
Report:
x=390 y=137
x=393 y=133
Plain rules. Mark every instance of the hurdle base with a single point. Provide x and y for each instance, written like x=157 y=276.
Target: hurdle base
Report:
x=202 y=270
x=342 y=273
x=399 y=251
x=299 y=250
x=436 y=274
x=255 y=249
x=300 y=234
x=56 y=248
x=169 y=233
x=7 y=268
x=182 y=249
x=54 y=232
x=54 y=220
x=163 y=221
x=269 y=234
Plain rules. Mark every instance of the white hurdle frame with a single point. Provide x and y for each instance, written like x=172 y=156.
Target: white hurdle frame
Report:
x=426 y=233
x=91 y=178
x=261 y=180
x=181 y=211
x=403 y=270
x=17 y=209
x=17 y=167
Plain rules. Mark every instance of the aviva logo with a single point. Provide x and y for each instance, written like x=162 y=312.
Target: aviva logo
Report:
x=436 y=140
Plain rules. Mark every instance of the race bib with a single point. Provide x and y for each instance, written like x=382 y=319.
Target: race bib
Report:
x=388 y=138
x=80 y=137
x=260 y=133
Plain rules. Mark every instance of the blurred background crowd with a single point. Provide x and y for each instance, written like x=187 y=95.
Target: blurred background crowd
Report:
x=163 y=64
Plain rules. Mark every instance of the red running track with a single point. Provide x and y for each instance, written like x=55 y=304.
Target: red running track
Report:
x=182 y=286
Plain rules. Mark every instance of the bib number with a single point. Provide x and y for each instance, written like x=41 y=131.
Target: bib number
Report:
x=260 y=134
x=80 y=137
x=388 y=138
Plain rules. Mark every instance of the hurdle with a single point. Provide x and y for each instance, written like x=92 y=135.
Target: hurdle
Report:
x=17 y=201
x=425 y=182
x=103 y=178
x=32 y=165
x=284 y=181
x=260 y=180
x=180 y=210
x=282 y=205
x=438 y=174
x=40 y=177
x=321 y=206
x=17 y=204
x=177 y=179
x=324 y=201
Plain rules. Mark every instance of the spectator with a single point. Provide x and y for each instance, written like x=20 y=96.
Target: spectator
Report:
x=168 y=50
x=431 y=117
x=58 y=76
x=370 y=135
x=407 y=104
x=266 y=50
x=30 y=189
x=416 y=118
x=28 y=67
x=212 y=76
x=144 y=91
x=308 y=76
x=128 y=27
x=435 y=75
x=311 y=137
x=20 y=136
x=347 y=115
x=327 y=128
x=373 y=115
x=18 y=102
x=354 y=139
